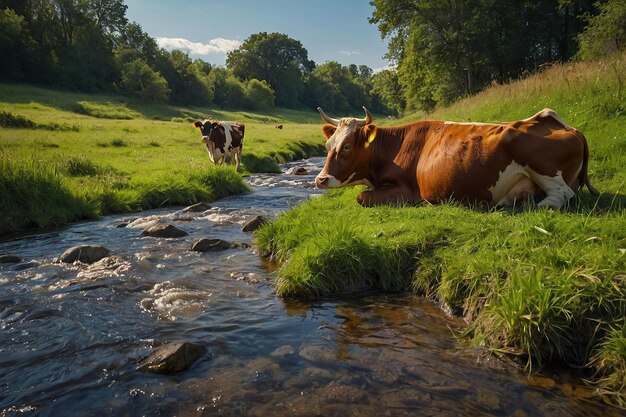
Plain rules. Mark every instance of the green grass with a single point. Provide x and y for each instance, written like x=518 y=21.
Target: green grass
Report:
x=33 y=194
x=536 y=286
x=115 y=154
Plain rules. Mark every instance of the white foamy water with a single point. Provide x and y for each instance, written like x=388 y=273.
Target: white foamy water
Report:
x=172 y=302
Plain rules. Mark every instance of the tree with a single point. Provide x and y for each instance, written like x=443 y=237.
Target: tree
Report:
x=16 y=46
x=134 y=43
x=217 y=82
x=387 y=87
x=109 y=16
x=88 y=64
x=70 y=14
x=259 y=95
x=444 y=50
x=235 y=93
x=275 y=58
x=606 y=32
x=140 y=80
x=348 y=84
x=182 y=77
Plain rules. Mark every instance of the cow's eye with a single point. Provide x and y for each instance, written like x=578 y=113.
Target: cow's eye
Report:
x=347 y=146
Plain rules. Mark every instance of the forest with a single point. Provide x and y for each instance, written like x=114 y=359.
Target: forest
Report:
x=440 y=51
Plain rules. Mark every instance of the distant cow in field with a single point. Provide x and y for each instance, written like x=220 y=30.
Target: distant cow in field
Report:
x=540 y=157
x=223 y=140
x=278 y=126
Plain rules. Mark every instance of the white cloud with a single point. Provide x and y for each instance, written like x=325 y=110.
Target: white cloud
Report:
x=350 y=53
x=214 y=46
x=386 y=67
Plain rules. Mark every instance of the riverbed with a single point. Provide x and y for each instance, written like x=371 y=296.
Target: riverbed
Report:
x=72 y=335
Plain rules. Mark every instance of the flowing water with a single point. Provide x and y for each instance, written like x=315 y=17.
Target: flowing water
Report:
x=71 y=335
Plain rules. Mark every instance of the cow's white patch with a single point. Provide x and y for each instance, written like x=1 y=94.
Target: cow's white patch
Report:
x=511 y=175
x=228 y=128
x=333 y=182
x=545 y=113
x=556 y=189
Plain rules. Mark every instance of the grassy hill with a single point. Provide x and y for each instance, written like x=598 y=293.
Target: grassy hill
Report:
x=536 y=286
x=68 y=156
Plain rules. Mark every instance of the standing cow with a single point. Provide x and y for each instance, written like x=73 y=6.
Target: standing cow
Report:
x=223 y=140
x=540 y=157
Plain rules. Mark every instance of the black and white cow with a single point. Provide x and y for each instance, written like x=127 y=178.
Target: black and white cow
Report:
x=223 y=140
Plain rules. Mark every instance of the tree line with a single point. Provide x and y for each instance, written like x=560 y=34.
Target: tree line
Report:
x=447 y=49
x=441 y=51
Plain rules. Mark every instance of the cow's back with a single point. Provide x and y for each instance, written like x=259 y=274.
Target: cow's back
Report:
x=470 y=162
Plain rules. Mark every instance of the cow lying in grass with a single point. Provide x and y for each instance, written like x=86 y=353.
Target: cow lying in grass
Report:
x=540 y=157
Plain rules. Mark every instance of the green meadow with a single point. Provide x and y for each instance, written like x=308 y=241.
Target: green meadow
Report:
x=537 y=287
x=65 y=157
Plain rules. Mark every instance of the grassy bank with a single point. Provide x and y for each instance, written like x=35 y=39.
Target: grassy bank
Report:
x=66 y=157
x=536 y=286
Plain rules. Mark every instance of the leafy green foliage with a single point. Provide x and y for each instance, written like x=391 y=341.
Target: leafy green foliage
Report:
x=259 y=95
x=275 y=58
x=606 y=31
x=16 y=46
x=334 y=85
x=140 y=80
x=386 y=85
x=444 y=50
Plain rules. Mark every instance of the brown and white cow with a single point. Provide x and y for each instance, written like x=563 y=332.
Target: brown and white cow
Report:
x=223 y=140
x=495 y=163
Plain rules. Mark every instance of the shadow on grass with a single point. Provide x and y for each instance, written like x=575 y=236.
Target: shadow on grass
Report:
x=101 y=105
x=584 y=203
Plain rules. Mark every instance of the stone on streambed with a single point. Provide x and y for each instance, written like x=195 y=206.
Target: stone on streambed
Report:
x=205 y=245
x=87 y=254
x=172 y=358
x=196 y=208
x=297 y=171
x=163 y=230
x=254 y=224
x=10 y=259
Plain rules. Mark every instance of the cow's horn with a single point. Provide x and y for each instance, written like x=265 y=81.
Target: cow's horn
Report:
x=367 y=120
x=327 y=119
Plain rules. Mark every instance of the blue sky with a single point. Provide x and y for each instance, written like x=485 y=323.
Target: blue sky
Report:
x=330 y=30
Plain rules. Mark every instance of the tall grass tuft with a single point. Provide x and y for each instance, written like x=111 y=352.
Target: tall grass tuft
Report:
x=610 y=363
x=184 y=188
x=76 y=166
x=33 y=194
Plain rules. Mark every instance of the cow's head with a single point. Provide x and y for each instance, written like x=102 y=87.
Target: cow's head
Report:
x=349 y=155
x=206 y=127
x=210 y=137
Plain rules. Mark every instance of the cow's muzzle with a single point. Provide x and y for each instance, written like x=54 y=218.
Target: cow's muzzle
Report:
x=327 y=181
x=321 y=181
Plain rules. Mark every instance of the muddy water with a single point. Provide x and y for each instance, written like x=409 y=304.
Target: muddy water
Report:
x=71 y=335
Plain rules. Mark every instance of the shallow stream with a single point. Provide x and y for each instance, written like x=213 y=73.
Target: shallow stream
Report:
x=71 y=335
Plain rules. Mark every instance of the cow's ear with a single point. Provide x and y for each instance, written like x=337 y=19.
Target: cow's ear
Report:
x=369 y=133
x=214 y=125
x=328 y=131
x=198 y=124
